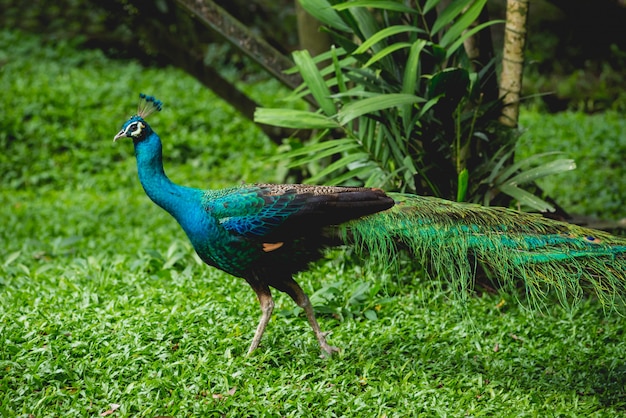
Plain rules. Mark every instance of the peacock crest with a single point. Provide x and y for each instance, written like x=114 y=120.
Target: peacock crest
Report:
x=148 y=105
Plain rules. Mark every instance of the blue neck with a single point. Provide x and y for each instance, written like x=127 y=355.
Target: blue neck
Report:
x=175 y=199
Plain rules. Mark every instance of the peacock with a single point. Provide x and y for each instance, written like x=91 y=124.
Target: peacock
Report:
x=266 y=233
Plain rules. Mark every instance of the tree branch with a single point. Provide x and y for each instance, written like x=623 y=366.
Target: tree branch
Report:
x=219 y=21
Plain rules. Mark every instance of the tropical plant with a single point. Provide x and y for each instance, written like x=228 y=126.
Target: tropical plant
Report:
x=401 y=107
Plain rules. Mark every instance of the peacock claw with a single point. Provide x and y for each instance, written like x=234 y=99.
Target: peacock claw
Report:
x=328 y=350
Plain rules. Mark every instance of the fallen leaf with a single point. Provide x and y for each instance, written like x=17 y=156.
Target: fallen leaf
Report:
x=230 y=392
x=114 y=407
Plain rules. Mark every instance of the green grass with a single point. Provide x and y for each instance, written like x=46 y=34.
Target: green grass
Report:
x=102 y=300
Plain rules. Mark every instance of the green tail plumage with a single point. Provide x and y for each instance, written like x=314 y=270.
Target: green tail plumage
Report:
x=451 y=239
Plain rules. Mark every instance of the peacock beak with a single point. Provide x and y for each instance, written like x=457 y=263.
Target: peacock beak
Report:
x=120 y=134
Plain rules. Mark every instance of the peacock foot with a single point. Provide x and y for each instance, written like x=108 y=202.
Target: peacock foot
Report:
x=328 y=350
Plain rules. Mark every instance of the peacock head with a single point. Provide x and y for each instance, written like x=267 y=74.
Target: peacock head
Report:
x=136 y=127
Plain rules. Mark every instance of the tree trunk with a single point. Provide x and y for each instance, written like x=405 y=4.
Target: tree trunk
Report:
x=513 y=59
x=309 y=34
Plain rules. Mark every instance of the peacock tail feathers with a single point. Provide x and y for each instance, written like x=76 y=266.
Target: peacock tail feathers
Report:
x=456 y=240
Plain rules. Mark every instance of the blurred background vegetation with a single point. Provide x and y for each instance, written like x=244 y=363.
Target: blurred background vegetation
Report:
x=566 y=70
x=575 y=51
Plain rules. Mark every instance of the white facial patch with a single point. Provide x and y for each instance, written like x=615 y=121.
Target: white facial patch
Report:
x=135 y=129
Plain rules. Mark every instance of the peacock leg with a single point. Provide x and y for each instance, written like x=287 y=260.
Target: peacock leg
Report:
x=296 y=293
x=267 y=306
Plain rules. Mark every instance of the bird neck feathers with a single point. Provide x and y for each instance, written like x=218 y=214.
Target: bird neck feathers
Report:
x=159 y=188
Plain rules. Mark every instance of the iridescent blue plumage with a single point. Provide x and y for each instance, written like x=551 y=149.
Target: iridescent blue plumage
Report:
x=265 y=233
x=262 y=233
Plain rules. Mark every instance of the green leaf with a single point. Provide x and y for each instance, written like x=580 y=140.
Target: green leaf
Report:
x=526 y=198
x=12 y=257
x=379 y=178
x=429 y=104
x=454 y=9
x=452 y=48
x=319 y=155
x=355 y=93
x=495 y=172
x=372 y=104
x=336 y=65
x=365 y=22
x=340 y=164
x=410 y=83
x=376 y=4
x=464 y=22
x=398 y=150
x=323 y=11
x=409 y=80
x=314 y=80
x=383 y=34
x=386 y=51
x=334 y=52
x=547 y=169
x=364 y=171
x=510 y=186
x=296 y=119
x=430 y=4
x=518 y=165
x=370 y=314
x=318 y=147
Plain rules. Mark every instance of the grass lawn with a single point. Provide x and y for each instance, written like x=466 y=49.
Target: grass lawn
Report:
x=106 y=311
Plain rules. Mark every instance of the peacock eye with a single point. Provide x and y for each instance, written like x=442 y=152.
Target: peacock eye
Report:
x=134 y=129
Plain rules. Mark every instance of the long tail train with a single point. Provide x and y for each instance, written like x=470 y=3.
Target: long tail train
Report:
x=451 y=238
